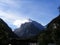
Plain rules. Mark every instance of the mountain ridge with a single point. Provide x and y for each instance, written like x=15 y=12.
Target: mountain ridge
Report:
x=29 y=29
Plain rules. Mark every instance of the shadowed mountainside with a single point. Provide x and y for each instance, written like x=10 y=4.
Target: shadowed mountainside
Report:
x=6 y=33
x=29 y=29
x=52 y=33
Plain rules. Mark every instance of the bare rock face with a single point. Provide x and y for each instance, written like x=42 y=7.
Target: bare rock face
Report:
x=29 y=29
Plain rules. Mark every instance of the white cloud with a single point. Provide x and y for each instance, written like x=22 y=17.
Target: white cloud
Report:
x=9 y=2
x=8 y=15
x=19 y=22
x=12 y=18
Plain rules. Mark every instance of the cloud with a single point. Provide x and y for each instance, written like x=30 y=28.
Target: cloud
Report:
x=7 y=8
x=12 y=18
x=9 y=5
x=8 y=2
x=14 y=11
x=19 y=22
x=9 y=15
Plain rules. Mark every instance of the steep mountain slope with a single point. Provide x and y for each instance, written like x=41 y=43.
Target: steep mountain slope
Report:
x=5 y=32
x=54 y=29
x=29 y=29
x=52 y=33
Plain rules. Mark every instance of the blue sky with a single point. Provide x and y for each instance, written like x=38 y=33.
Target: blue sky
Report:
x=16 y=12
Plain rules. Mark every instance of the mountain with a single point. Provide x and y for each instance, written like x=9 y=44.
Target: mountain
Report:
x=55 y=20
x=6 y=32
x=52 y=33
x=29 y=29
x=54 y=28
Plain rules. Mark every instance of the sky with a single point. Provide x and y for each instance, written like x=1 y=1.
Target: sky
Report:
x=16 y=12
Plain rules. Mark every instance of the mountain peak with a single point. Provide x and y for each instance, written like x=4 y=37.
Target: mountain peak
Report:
x=29 y=29
x=30 y=20
x=18 y=23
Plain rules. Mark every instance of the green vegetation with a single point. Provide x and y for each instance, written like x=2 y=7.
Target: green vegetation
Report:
x=5 y=33
x=51 y=34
